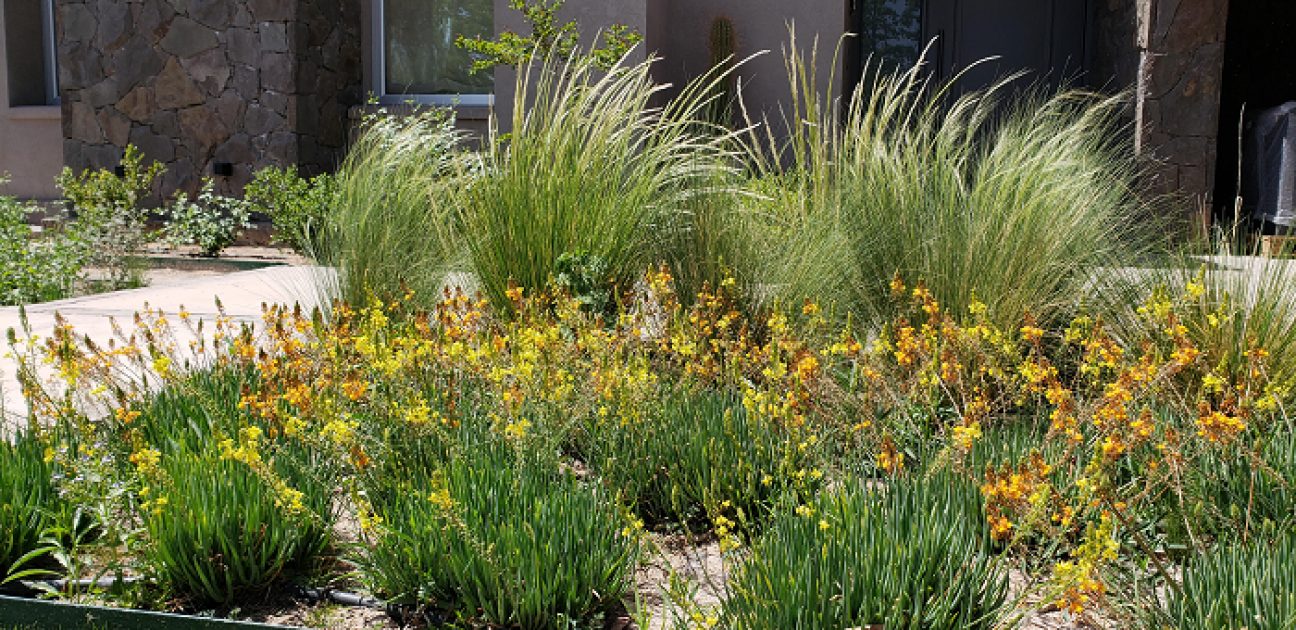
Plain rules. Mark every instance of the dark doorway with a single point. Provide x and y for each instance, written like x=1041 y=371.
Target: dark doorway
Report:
x=1048 y=39
x=1260 y=44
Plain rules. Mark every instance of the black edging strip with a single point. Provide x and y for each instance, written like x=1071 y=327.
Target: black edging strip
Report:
x=18 y=607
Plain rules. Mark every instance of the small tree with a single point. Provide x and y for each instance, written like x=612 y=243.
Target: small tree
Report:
x=548 y=38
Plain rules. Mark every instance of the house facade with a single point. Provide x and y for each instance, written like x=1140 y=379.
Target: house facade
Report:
x=226 y=87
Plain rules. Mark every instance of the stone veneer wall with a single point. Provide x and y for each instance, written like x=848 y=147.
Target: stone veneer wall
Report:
x=193 y=82
x=1181 y=58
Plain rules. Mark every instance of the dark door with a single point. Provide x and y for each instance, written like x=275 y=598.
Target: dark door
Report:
x=1046 y=39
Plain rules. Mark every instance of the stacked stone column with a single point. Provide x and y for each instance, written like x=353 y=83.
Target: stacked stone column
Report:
x=192 y=83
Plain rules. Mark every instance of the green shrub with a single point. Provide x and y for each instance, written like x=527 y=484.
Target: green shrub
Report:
x=910 y=555
x=217 y=530
x=212 y=222
x=28 y=499
x=703 y=455
x=34 y=269
x=492 y=540
x=298 y=206
x=109 y=218
x=1238 y=586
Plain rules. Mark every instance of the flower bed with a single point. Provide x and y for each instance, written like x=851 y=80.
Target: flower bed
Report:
x=514 y=469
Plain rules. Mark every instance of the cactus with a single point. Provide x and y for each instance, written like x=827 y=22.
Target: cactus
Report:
x=722 y=43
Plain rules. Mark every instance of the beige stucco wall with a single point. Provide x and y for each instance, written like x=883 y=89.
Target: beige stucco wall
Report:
x=759 y=25
x=31 y=142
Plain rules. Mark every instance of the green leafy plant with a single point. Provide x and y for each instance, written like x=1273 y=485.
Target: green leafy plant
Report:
x=297 y=205
x=548 y=39
x=1236 y=586
x=912 y=555
x=212 y=222
x=34 y=268
x=585 y=278
x=217 y=530
x=109 y=218
x=495 y=540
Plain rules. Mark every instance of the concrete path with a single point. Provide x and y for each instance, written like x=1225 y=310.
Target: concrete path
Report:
x=241 y=293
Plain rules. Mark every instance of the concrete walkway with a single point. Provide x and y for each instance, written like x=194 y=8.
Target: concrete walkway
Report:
x=241 y=294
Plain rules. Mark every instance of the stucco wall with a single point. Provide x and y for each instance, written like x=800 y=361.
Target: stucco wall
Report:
x=191 y=83
x=759 y=25
x=30 y=142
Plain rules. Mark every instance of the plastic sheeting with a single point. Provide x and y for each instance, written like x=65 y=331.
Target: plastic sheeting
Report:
x=1272 y=158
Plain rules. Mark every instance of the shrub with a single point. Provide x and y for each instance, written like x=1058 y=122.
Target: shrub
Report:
x=547 y=39
x=28 y=499
x=109 y=218
x=34 y=269
x=1237 y=586
x=217 y=530
x=298 y=206
x=493 y=540
x=910 y=555
x=212 y=222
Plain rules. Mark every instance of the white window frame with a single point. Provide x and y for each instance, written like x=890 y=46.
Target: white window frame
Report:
x=379 y=33
x=50 y=42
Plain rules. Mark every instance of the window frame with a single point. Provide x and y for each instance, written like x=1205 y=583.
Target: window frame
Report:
x=49 y=41
x=379 y=49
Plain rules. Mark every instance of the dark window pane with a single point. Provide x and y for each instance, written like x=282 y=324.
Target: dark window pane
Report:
x=420 y=52
x=891 y=33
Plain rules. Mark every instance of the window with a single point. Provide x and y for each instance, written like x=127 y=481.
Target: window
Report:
x=416 y=57
x=30 y=52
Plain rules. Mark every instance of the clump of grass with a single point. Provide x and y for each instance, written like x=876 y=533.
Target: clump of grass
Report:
x=1238 y=586
x=1012 y=201
x=393 y=225
x=591 y=165
x=736 y=463
x=910 y=556
x=498 y=540
x=218 y=531
x=28 y=499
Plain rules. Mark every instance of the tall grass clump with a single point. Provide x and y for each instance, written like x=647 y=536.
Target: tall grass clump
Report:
x=910 y=556
x=590 y=166
x=218 y=531
x=28 y=498
x=393 y=226
x=498 y=540
x=1012 y=200
x=735 y=466
x=1237 y=586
